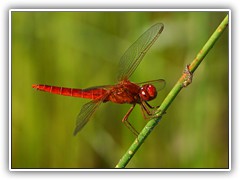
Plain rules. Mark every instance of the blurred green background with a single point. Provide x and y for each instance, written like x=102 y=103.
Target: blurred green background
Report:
x=82 y=49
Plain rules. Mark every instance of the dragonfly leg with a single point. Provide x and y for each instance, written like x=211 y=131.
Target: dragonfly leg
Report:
x=127 y=123
x=143 y=109
x=128 y=113
x=152 y=107
x=131 y=128
x=147 y=114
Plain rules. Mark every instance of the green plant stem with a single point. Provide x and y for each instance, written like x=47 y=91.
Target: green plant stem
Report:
x=172 y=94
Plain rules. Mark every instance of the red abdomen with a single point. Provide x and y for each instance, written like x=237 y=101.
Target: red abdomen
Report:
x=81 y=93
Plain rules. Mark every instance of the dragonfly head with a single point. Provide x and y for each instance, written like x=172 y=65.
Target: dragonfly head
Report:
x=148 y=92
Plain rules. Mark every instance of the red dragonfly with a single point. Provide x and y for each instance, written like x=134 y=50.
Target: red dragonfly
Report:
x=124 y=91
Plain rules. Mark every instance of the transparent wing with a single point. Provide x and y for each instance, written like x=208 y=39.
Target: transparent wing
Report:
x=86 y=113
x=159 y=84
x=135 y=53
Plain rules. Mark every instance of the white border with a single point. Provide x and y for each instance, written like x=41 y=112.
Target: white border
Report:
x=230 y=90
x=118 y=10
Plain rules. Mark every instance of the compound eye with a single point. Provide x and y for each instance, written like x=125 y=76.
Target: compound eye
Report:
x=144 y=95
x=151 y=91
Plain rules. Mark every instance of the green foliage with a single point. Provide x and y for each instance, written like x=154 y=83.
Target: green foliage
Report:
x=82 y=49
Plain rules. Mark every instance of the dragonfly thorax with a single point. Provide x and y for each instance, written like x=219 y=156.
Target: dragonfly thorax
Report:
x=147 y=92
